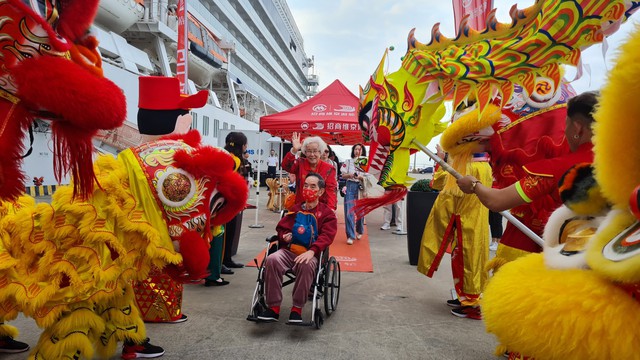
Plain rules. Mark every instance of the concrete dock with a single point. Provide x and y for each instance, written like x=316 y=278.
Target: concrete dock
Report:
x=393 y=313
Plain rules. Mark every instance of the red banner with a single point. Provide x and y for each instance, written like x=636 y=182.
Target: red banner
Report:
x=476 y=9
x=182 y=65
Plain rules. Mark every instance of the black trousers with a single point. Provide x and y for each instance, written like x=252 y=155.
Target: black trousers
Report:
x=231 y=237
x=495 y=223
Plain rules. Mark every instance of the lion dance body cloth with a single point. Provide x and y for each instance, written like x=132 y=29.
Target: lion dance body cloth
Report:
x=70 y=264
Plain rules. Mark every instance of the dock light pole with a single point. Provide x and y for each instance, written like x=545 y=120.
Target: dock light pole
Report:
x=256 y=225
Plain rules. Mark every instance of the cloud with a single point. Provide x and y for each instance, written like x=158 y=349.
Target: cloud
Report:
x=348 y=37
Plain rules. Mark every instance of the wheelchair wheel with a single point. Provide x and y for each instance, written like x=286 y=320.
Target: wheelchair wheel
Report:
x=258 y=308
x=331 y=285
x=258 y=304
x=318 y=318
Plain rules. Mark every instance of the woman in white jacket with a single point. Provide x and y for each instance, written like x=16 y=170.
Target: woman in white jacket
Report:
x=352 y=172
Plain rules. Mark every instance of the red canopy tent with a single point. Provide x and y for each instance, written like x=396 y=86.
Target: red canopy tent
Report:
x=331 y=114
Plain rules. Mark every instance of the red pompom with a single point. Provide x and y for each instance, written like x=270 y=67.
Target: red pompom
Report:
x=195 y=259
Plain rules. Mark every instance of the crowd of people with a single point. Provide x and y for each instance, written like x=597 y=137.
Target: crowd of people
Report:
x=310 y=225
x=461 y=211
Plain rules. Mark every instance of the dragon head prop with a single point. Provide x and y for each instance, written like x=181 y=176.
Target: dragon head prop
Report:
x=393 y=113
x=518 y=67
x=51 y=70
x=492 y=66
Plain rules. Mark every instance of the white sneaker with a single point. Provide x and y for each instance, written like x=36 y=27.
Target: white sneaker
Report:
x=359 y=236
x=349 y=241
x=385 y=227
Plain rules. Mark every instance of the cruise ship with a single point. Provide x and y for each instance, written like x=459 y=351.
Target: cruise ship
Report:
x=249 y=55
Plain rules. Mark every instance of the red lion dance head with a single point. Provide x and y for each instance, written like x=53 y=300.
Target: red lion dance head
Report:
x=51 y=70
x=195 y=187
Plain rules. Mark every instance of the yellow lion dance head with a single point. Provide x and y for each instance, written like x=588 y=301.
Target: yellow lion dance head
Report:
x=589 y=310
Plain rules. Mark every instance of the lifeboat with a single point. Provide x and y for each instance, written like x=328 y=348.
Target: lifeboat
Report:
x=119 y=15
x=205 y=55
x=204 y=44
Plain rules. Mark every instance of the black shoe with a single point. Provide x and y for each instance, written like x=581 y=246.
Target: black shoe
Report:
x=219 y=282
x=225 y=270
x=454 y=303
x=469 y=312
x=181 y=319
x=8 y=345
x=295 y=318
x=132 y=350
x=268 y=316
x=233 y=265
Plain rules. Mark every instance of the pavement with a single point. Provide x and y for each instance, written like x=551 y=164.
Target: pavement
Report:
x=393 y=313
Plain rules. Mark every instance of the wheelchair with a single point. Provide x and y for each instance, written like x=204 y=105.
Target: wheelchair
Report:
x=325 y=286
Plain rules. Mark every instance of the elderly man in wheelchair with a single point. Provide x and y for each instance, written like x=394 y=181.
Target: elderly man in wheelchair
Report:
x=303 y=234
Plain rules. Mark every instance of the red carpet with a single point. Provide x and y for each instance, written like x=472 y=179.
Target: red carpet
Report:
x=352 y=258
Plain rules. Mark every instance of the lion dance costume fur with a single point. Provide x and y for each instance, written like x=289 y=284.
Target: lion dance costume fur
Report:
x=584 y=306
x=51 y=70
x=70 y=264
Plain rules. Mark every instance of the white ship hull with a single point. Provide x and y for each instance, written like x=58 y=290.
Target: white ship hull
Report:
x=139 y=38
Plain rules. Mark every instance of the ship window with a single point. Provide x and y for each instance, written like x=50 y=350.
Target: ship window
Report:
x=205 y=125
x=233 y=127
x=225 y=126
x=216 y=127
x=194 y=121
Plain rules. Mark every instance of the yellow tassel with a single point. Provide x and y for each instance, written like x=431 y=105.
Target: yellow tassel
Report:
x=72 y=346
x=500 y=350
x=495 y=264
x=8 y=330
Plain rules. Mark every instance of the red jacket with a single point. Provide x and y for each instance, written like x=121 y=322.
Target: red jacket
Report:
x=536 y=214
x=301 y=167
x=327 y=226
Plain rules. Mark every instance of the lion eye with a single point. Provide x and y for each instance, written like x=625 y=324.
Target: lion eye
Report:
x=216 y=203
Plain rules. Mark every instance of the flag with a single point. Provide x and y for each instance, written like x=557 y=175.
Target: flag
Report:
x=182 y=65
x=477 y=11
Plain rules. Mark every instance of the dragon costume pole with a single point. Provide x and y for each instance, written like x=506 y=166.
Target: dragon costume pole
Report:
x=533 y=236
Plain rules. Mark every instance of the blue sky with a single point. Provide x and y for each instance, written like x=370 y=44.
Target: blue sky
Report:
x=348 y=37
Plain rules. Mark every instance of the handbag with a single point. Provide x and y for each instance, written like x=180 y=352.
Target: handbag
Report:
x=304 y=232
x=342 y=187
x=370 y=187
